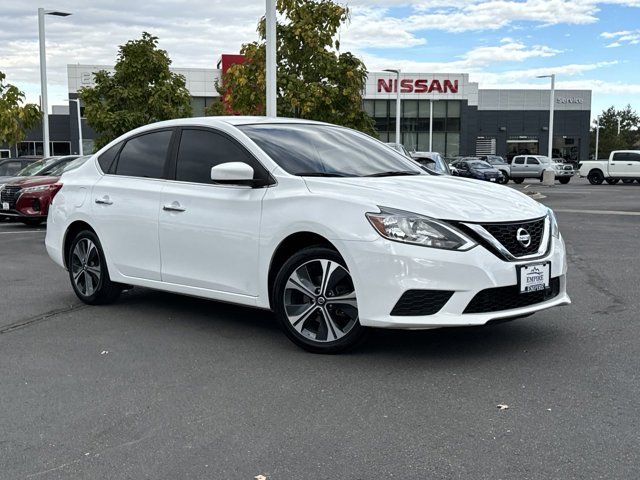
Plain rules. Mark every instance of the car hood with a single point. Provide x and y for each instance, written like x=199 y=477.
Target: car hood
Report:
x=25 y=182
x=6 y=179
x=443 y=197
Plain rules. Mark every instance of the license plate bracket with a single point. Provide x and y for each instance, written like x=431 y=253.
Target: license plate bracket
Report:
x=534 y=277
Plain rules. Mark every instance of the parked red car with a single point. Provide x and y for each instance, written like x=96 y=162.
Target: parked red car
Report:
x=27 y=199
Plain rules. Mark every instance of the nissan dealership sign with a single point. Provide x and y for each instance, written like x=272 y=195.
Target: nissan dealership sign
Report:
x=445 y=86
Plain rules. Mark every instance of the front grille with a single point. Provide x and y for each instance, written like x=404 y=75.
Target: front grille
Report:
x=421 y=302
x=10 y=194
x=506 y=234
x=507 y=298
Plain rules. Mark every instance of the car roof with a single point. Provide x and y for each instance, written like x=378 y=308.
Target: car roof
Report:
x=232 y=120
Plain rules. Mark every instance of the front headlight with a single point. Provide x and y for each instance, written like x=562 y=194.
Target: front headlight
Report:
x=407 y=227
x=555 y=231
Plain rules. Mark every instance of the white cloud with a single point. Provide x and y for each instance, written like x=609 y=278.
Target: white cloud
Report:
x=624 y=37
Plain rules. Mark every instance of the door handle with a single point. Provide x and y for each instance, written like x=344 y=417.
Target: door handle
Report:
x=630 y=164
x=173 y=207
x=104 y=200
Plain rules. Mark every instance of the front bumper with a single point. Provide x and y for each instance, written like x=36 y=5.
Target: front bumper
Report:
x=383 y=270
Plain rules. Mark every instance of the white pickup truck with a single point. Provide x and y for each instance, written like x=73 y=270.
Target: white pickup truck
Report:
x=622 y=165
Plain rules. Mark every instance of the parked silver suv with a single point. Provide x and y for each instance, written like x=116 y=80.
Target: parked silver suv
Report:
x=533 y=166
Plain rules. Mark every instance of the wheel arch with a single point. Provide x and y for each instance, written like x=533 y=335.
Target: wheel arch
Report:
x=289 y=246
x=596 y=169
x=72 y=230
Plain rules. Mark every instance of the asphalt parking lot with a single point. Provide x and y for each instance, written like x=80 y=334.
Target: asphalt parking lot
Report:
x=161 y=386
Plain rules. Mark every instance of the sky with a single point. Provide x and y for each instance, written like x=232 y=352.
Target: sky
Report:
x=588 y=44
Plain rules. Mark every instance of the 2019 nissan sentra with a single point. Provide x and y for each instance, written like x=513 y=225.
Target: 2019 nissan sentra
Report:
x=329 y=228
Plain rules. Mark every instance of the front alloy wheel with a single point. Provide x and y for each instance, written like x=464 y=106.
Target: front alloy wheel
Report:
x=316 y=303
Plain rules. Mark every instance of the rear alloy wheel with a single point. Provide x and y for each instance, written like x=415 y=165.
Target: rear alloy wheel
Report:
x=612 y=181
x=518 y=180
x=595 y=177
x=88 y=271
x=627 y=180
x=315 y=302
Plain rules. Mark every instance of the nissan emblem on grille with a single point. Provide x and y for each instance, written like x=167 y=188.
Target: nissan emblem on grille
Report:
x=523 y=237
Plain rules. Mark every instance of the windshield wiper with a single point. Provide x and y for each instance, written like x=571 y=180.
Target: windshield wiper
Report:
x=319 y=174
x=395 y=173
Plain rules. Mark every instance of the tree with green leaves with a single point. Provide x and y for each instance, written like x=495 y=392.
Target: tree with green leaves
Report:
x=629 y=137
x=140 y=91
x=16 y=116
x=315 y=80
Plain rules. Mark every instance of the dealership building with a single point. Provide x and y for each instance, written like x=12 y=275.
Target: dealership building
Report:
x=466 y=120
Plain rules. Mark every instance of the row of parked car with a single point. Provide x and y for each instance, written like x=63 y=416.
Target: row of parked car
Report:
x=492 y=168
x=25 y=194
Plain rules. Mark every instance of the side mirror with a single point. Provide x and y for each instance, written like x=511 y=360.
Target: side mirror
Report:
x=233 y=173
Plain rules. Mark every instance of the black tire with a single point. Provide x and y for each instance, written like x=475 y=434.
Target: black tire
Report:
x=627 y=180
x=612 y=181
x=32 y=222
x=338 y=331
x=564 y=181
x=504 y=179
x=103 y=290
x=595 y=177
x=518 y=180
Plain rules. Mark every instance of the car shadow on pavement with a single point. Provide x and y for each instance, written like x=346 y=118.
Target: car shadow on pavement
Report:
x=233 y=321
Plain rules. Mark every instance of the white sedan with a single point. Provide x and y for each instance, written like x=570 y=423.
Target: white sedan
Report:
x=329 y=228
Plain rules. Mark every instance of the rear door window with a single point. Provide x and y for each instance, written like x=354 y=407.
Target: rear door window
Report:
x=106 y=159
x=144 y=155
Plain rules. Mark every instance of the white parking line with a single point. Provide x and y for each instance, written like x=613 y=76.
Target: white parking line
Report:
x=597 y=212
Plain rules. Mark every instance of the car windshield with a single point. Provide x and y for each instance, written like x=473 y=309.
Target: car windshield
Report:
x=479 y=165
x=35 y=167
x=496 y=161
x=324 y=150
x=66 y=166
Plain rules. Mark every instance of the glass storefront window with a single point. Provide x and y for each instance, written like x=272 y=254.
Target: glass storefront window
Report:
x=410 y=109
x=423 y=142
x=392 y=108
x=439 y=109
x=453 y=108
x=368 y=106
x=423 y=108
x=453 y=144
x=381 y=108
x=439 y=143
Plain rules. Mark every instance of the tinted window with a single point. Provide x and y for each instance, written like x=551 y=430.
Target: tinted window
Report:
x=65 y=167
x=9 y=168
x=106 y=159
x=533 y=161
x=35 y=167
x=626 y=157
x=201 y=149
x=145 y=155
x=518 y=160
x=328 y=151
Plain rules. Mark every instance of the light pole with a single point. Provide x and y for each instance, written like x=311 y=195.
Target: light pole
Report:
x=77 y=102
x=431 y=125
x=43 y=76
x=271 y=70
x=597 y=136
x=398 y=112
x=551 y=107
x=618 y=126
